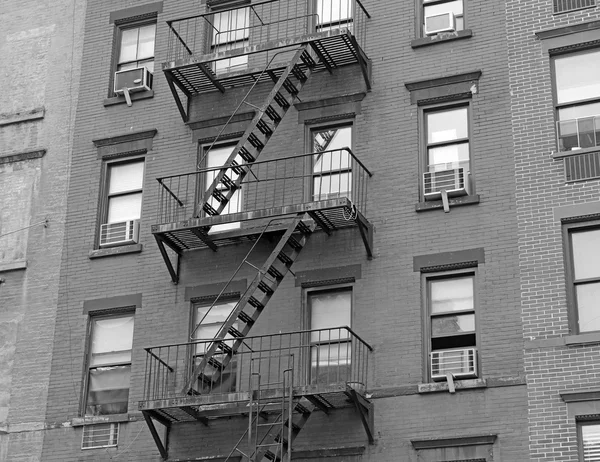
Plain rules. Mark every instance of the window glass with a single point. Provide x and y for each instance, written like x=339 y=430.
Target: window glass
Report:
x=445 y=325
x=111 y=340
x=586 y=254
x=124 y=201
x=447 y=125
x=330 y=11
x=447 y=139
x=122 y=208
x=231 y=26
x=577 y=77
x=590 y=435
x=330 y=309
x=137 y=47
x=331 y=169
x=126 y=177
x=454 y=294
x=587 y=305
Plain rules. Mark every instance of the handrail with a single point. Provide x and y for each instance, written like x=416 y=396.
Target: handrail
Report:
x=158 y=359
x=296 y=332
x=363 y=8
x=278 y=159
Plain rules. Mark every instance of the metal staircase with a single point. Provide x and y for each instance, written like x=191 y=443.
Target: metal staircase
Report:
x=251 y=305
x=266 y=120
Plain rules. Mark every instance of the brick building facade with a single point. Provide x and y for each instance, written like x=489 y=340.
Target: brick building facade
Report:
x=551 y=48
x=423 y=268
x=40 y=49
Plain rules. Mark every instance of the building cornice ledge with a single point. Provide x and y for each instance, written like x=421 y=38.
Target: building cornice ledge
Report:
x=125 y=138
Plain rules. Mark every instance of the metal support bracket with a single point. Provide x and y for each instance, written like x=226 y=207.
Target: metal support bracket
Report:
x=445 y=200
x=366 y=232
x=174 y=272
x=182 y=111
x=366 y=412
x=162 y=448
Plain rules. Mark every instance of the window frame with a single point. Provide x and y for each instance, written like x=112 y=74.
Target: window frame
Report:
x=92 y=316
x=427 y=315
x=309 y=142
x=306 y=354
x=220 y=7
x=554 y=56
x=580 y=423
x=556 y=2
x=103 y=202
x=420 y=16
x=424 y=144
x=120 y=26
x=572 y=308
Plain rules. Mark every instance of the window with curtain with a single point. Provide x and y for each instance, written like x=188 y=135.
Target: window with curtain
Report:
x=109 y=365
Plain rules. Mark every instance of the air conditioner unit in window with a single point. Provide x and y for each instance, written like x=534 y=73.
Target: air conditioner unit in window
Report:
x=455 y=181
x=132 y=80
x=123 y=232
x=462 y=363
x=440 y=23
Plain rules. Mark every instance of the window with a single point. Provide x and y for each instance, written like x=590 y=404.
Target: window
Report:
x=451 y=331
x=589 y=441
x=562 y=6
x=331 y=347
x=230 y=30
x=109 y=364
x=207 y=322
x=333 y=14
x=122 y=203
x=442 y=16
x=577 y=99
x=213 y=159
x=583 y=273
x=331 y=171
x=136 y=47
x=447 y=157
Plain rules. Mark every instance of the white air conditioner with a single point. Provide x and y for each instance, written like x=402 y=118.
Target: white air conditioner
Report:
x=454 y=181
x=461 y=363
x=132 y=80
x=440 y=23
x=123 y=232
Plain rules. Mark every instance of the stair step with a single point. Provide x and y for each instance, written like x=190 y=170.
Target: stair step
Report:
x=294 y=243
x=285 y=258
x=234 y=332
x=273 y=114
x=303 y=228
x=228 y=182
x=302 y=409
x=280 y=99
x=215 y=363
x=218 y=195
x=256 y=303
x=246 y=155
x=290 y=87
x=243 y=316
x=209 y=209
x=275 y=273
x=264 y=128
x=255 y=141
x=225 y=348
x=295 y=427
x=272 y=456
x=267 y=289
x=299 y=73
x=308 y=60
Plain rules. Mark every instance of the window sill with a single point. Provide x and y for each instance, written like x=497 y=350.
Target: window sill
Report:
x=13 y=266
x=580 y=339
x=441 y=38
x=576 y=152
x=114 y=100
x=436 y=387
x=104 y=419
x=454 y=202
x=110 y=251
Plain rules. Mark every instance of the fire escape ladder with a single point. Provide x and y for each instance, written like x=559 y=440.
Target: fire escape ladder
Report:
x=272 y=440
x=251 y=304
x=261 y=128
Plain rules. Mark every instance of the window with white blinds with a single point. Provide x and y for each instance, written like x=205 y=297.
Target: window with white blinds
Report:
x=590 y=442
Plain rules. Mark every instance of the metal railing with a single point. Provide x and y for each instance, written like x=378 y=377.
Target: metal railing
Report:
x=272 y=183
x=579 y=133
x=260 y=22
x=323 y=359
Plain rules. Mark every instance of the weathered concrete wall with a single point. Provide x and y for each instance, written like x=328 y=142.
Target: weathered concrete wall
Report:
x=40 y=51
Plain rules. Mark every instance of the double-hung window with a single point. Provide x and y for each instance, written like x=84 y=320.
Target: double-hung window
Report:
x=447 y=156
x=122 y=204
x=588 y=433
x=332 y=163
x=577 y=99
x=451 y=331
x=442 y=16
x=230 y=29
x=136 y=47
x=583 y=273
x=109 y=364
x=330 y=346
x=208 y=319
